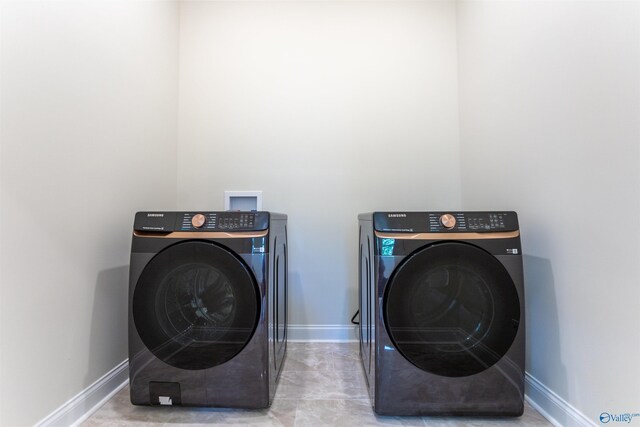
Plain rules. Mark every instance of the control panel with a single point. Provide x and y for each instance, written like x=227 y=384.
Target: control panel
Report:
x=201 y=221
x=445 y=222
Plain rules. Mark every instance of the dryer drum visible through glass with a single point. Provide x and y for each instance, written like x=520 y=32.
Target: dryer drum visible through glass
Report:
x=186 y=306
x=451 y=309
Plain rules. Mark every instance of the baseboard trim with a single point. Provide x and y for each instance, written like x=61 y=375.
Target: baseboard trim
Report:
x=85 y=403
x=326 y=333
x=558 y=411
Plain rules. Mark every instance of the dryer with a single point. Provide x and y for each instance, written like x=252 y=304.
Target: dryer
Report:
x=442 y=312
x=207 y=308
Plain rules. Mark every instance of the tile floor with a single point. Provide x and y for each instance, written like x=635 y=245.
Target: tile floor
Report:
x=321 y=384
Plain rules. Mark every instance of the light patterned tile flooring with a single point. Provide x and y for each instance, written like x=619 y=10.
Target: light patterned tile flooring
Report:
x=321 y=384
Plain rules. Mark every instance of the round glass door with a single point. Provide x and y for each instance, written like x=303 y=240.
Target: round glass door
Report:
x=451 y=309
x=195 y=305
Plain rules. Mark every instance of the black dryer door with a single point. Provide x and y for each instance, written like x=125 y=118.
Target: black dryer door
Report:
x=451 y=309
x=195 y=305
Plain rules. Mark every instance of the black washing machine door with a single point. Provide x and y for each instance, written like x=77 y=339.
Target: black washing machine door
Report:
x=196 y=305
x=451 y=309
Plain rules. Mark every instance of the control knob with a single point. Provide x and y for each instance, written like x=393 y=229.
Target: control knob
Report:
x=198 y=220
x=448 y=221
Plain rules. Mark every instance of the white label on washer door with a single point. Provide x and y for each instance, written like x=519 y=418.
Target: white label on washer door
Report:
x=512 y=251
x=165 y=400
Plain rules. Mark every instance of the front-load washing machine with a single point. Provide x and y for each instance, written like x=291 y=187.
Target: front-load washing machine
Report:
x=207 y=308
x=442 y=312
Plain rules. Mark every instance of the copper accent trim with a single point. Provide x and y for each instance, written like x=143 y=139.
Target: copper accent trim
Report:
x=449 y=236
x=202 y=234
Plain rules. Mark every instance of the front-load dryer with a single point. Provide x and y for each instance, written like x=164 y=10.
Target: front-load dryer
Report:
x=207 y=308
x=442 y=312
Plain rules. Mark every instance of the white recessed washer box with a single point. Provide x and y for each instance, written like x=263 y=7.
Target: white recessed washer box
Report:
x=243 y=200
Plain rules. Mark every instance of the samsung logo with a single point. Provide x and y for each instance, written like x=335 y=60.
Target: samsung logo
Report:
x=397 y=215
x=157 y=215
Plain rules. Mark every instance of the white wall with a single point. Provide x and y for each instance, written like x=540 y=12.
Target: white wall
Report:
x=330 y=108
x=88 y=132
x=550 y=127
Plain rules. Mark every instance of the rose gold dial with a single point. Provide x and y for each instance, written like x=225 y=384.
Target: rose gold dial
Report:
x=448 y=221
x=198 y=220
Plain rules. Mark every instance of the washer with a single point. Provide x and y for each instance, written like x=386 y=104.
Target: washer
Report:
x=207 y=308
x=442 y=313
